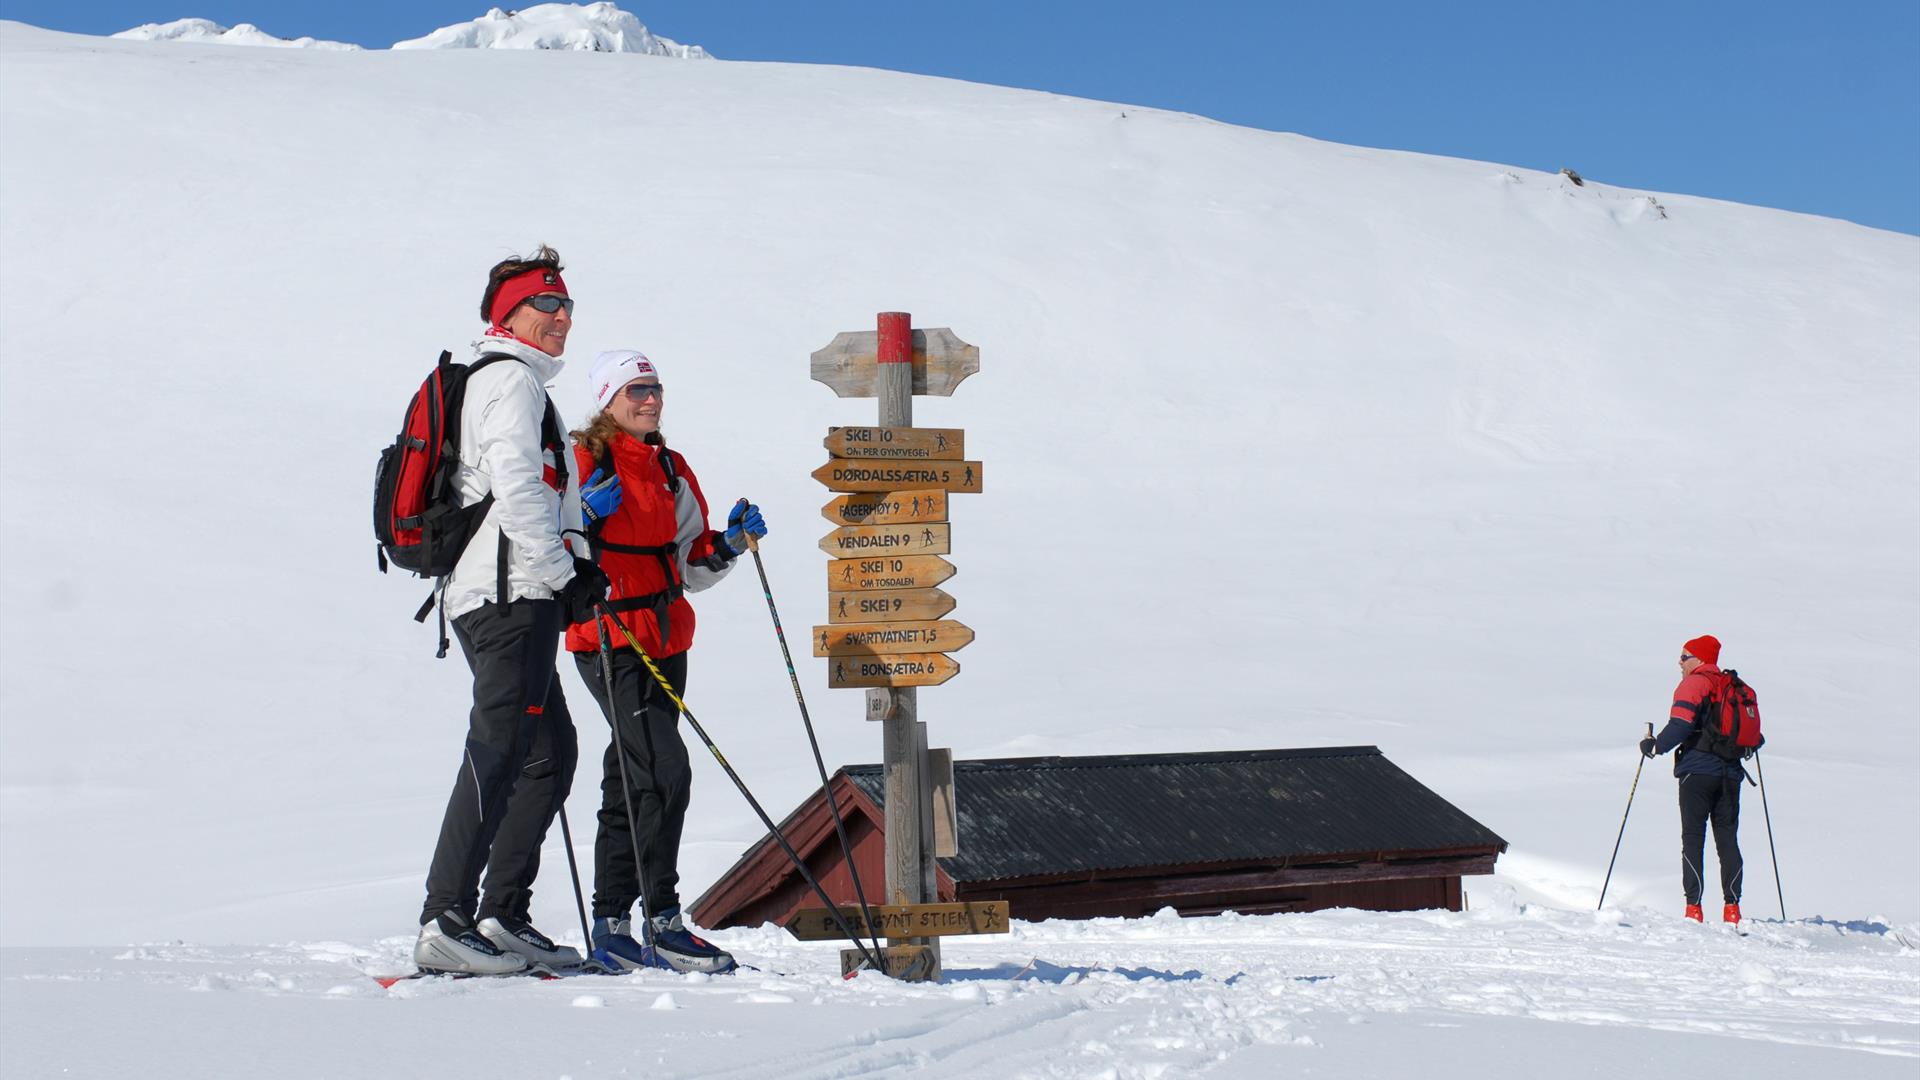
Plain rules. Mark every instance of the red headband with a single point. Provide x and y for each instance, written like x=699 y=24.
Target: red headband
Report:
x=519 y=287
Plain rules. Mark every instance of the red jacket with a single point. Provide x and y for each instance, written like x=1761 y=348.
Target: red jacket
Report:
x=655 y=548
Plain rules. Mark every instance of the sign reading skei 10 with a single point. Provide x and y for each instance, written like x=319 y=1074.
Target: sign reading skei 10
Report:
x=884 y=614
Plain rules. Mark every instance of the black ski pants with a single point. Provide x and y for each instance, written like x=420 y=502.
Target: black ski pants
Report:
x=1716 y=797
x=517 y=766
x=659 y=781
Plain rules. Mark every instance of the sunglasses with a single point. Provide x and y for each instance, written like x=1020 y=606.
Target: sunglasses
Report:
x=547 y=303
x=1684 y=658
x=641 y=391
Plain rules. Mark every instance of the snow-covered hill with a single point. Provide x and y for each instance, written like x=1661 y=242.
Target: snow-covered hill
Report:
x=601 y=27
x=1290 y=443
x=206 y=31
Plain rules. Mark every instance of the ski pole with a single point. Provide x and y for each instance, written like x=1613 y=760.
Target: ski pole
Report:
x=699 y=729
x=573 y=870
x=1771 y=853
x=826 y=787
x=620 y=755
x=1623 y=823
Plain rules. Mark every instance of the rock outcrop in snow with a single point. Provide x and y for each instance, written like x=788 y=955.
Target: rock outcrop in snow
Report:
x=208 y=31
x=601 y=27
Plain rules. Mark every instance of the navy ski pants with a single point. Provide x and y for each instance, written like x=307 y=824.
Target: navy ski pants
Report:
x=1705 y=797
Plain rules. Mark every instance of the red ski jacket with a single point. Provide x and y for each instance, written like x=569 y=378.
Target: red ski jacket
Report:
x=655 y=548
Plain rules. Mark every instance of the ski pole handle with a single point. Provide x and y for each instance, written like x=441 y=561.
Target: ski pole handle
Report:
x=1649 y=729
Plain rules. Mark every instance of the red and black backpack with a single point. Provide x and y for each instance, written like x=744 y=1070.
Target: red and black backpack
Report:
x=1729 y=725
x=417 y=517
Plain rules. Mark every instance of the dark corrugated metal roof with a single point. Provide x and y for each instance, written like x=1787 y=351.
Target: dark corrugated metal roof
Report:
x=1027 y=817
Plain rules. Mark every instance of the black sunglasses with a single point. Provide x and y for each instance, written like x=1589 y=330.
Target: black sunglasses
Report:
x=641 y=391
x=549 y=303
x=1684 y=657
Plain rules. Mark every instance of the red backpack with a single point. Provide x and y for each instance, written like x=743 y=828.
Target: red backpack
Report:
x=1730 y=725
x=417 y=519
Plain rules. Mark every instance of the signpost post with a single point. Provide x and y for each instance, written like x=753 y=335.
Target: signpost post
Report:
x=885 y=628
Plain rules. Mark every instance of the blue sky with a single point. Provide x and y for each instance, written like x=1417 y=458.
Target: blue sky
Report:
x=1807 y=107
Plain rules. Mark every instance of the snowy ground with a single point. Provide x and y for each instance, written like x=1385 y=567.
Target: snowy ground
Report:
x=1509 y=990
x=1289 y=444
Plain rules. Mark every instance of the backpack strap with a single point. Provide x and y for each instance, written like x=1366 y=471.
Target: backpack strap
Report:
x=660 y=603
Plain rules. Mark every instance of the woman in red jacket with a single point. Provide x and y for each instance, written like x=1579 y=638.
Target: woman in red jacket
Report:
x=647 y=520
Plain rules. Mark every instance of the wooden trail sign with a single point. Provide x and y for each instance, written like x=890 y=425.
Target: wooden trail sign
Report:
x=887 y=508
x=907 y=669
x=856 y=540
x=850 y=363
x=955 y=476
x=888 y=572
x=869 y=639
x=908 y=963
x=888 y=605
x=903 y=920
x=909 y=443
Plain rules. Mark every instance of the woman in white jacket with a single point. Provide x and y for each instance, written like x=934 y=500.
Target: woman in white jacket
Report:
x=508 y=599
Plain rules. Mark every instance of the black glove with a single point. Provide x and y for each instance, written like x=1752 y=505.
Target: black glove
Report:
x=577 y=597
x=1647 y=746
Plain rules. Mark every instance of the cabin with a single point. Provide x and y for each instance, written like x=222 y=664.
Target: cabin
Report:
x=1252 y=831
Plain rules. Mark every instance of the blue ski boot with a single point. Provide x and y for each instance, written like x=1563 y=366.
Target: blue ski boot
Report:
x=614 y=946
x=675 y=947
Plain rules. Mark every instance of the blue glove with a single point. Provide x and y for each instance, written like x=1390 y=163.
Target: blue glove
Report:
x=600 y=496
x=743 y=521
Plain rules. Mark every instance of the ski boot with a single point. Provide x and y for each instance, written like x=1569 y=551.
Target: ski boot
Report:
x=1731 y=914
x=675 y=947
x=614 y=946
x=1694 y=913
x=449 y=945
x=517 y=936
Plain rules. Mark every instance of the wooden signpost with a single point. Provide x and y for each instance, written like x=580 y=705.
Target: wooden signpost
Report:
x=888 y=572
x=888 y=605
x=855 y=540
x=870 y=639
x=891 y=669
x=884 y=627
x=926 y=444
x=888 y=508
x=889 y=476
x=894 y=921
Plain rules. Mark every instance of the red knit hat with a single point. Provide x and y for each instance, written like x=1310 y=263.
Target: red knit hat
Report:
x=1705 y=647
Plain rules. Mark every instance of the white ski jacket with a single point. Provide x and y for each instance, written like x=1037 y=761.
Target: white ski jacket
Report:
x=500 y=452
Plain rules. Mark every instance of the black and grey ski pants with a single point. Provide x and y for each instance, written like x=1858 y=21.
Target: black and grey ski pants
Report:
x=659 y=784
x=517 y=766
x=1716 y=797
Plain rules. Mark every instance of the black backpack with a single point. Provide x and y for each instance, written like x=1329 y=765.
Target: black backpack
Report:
x=418 y=521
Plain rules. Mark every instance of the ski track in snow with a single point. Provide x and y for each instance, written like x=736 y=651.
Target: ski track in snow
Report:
x=1225 y=995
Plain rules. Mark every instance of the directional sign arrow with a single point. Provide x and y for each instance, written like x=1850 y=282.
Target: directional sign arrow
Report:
x=954 y=476
x=888 y=572
x=903 y=920
x=888 y=605
x=855 y=540
x=867 y=639
x=850 y=363
x=905 y=669
x=887 y=508
x=909 y=443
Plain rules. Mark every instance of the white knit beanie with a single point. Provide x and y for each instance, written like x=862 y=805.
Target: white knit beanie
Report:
x=616 y=368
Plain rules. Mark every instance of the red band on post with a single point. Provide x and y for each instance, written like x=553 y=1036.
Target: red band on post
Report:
x=519 y=287
x=896 y=337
